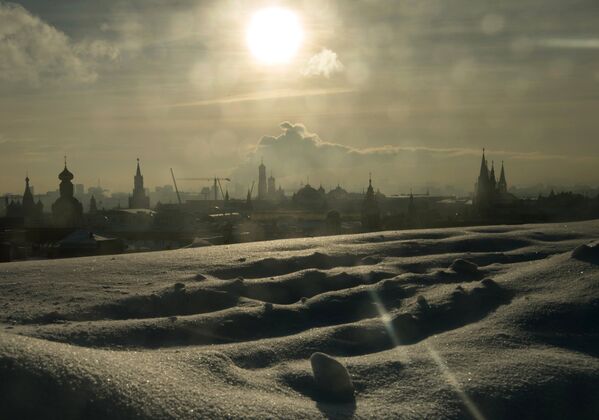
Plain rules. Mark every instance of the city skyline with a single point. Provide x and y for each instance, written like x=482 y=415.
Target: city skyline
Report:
x=237 y=191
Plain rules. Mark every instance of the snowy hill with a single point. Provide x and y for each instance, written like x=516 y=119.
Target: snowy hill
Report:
x=481 y=322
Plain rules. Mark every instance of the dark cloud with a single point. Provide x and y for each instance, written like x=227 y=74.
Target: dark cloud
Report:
x=35 y=53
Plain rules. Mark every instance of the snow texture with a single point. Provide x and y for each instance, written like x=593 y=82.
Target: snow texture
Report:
x=482 y=322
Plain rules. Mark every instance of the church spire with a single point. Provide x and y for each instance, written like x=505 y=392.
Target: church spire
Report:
x=502 y=185
x=28 y=200
x=484 y=169
x=371 y=216
x=492 y=178
x=139 y=198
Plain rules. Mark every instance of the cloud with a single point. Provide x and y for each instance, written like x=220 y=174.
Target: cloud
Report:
x=570 y=43
x=325 y=63
x=35 y=53
x=297 y=153
x=265 y=95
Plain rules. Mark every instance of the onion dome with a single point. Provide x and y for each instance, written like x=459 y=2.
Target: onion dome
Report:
x=65 y=175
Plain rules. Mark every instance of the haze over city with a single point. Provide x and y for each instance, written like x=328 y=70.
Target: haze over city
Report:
x=307 y=209
x=410 y=91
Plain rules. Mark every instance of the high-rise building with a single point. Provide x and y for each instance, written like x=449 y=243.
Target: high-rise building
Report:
x=139 y=199
x=262 y=189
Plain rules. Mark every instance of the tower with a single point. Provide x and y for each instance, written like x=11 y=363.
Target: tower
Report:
x=28 y=203
x=502 y=184
x=32 y=211
x=483 y=190
x=262 y=190
x=371 y=214
x=272 y=191
x=67 y=211
x=139 y=199
x=492 y=178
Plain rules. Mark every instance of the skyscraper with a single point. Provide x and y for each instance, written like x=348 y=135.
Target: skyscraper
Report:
x=262 y=189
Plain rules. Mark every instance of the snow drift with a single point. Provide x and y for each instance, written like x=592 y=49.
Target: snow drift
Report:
x=489 y=322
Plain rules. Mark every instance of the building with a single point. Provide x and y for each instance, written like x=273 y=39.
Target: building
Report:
x=93 y=206
x=371 y=213
x=262 y=188
x=139 y=199
x=67 y=211
x=27 y=209
x=309 y=198
x=272 y=190
x=488 y=192
x=338 y=193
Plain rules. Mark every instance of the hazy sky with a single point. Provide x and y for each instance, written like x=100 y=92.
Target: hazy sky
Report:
x=409 y=90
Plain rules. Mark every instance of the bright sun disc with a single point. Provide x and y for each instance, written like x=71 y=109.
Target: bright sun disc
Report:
x=274 y=35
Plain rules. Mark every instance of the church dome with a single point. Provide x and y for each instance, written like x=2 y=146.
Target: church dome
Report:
x=65 y=175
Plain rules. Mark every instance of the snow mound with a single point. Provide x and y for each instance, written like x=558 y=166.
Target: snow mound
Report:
x=587 y=252
x=490 y=322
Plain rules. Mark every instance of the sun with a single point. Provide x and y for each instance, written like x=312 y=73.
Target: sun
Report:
x=274 y=35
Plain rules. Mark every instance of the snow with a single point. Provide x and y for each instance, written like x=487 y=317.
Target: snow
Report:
x=480 y=322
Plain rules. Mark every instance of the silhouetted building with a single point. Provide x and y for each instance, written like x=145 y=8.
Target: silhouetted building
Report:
x=488 y=192
x=371 y=213
x=310 y=198
x=139 y=199
x=502 y=185
x=14 y=209
x=338 y=193
x=93 y=206
x=32 y=212
x=67 y=211
x=27 y=209
x=262 y=188
x=272 y=191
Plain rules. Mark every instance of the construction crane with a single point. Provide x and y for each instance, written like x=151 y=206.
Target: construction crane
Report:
x=217 y=184
x=176 y=189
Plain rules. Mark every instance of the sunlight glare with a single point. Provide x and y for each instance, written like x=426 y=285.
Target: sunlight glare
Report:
x=274 y=35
